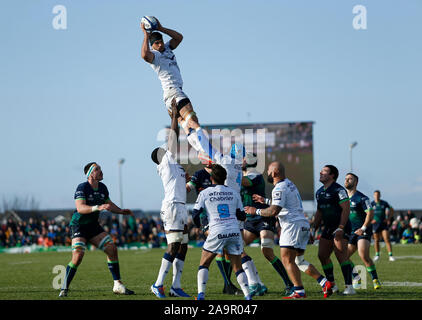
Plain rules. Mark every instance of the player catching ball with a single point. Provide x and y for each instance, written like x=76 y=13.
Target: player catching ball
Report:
x=163 y=61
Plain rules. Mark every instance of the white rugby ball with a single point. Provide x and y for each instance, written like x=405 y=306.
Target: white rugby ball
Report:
x=150 y=23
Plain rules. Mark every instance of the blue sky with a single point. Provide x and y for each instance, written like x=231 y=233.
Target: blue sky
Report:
x=68 y=97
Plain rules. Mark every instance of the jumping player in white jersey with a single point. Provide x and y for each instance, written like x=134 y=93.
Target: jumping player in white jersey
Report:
x=286 y=204
x=224 y=208
x=173 y=212
x=163 y=61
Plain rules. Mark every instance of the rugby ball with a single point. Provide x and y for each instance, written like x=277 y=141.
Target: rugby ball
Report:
x=150 y=23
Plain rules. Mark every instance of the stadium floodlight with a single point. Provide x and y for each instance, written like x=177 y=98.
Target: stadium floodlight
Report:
x=352 y=145
x=120 y=163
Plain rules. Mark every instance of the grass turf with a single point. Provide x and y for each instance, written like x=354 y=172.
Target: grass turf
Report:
x=30 y=276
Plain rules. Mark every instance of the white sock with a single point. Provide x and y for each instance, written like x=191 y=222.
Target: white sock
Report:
x=165 y=267
x=258 y=279
x=202 y=279
x=177 y=272
x=248 y=267
x=242 y=279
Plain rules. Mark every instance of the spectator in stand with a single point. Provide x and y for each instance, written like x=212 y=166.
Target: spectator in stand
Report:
x=407 y=236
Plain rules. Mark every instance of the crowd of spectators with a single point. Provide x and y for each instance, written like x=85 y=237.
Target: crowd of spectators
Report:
x=148 y=230
x=49 y=232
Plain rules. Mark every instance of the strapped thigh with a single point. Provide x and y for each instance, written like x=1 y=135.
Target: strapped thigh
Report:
x=106 y=240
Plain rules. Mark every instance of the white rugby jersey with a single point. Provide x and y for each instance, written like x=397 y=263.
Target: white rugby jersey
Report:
x=286 y=196
x=221 y=203
x=173 y=177
x=165 y=65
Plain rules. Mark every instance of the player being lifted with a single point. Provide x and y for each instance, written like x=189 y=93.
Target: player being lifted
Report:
x=333 y=209
x=163 y=61
x=224 y=208
x=361 y=214
x=258 y=227
x=286 y=204
x=91 y=197
x=173 y=211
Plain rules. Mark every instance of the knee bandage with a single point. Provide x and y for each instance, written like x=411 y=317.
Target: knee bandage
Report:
x=173 y=237
x=106 y=240
x=78 y=246
x=302 y=263
x=267 y=243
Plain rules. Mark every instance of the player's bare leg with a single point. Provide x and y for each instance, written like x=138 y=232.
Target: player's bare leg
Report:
x=325 y=248
x=363 y=250
x=202 y=278
x=311 y=271
x=377 y=245
x=248 y=265
x=288 y=257
x=178 y=264
x=78 y=252
x=104 y=242
x=386 y=236
x=340 y=250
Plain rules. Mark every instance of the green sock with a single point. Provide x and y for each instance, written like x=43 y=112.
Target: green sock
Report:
x=329 y=271
x=372 y=271
x=390 y=254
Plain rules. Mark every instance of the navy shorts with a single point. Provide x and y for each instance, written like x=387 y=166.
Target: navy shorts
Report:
x=354 y=238
x=327 y=233
x=86 y=231
x=379 y=226
x=257 y=225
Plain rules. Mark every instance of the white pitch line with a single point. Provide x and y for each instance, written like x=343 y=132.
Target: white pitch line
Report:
x=401 y=284
x=408 y=257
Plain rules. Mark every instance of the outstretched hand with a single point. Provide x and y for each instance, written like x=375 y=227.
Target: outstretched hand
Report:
x=258 y=198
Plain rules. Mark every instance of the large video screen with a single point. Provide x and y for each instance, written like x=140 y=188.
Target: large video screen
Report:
x=291 y=143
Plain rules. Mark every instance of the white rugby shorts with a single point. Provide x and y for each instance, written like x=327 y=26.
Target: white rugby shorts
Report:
x=171 y=93
x=174 y=216
x=230 y=240
x=294 y=234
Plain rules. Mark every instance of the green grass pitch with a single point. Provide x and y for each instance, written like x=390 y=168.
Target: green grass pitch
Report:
x=30 y=276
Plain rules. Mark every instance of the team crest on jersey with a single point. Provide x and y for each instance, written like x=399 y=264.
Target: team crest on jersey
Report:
x=277 y=195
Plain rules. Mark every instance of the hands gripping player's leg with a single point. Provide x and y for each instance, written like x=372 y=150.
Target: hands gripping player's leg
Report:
x=78 y=251
x=104 y=242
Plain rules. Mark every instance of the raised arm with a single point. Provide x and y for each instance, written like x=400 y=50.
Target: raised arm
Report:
x=146 y=53
x=176 y=37
x=174 y=130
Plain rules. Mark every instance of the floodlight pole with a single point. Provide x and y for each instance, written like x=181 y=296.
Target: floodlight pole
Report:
x=352 y=145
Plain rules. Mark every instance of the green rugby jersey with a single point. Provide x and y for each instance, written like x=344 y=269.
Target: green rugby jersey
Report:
x=360 y=206
x=380 y=209
x=92 y=197
x=257 y=187
x=328 y=202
